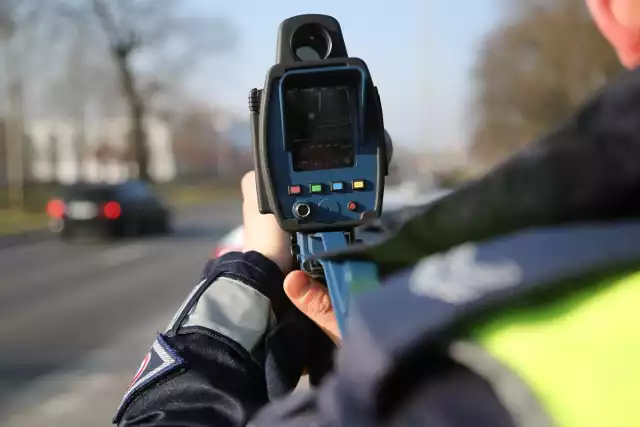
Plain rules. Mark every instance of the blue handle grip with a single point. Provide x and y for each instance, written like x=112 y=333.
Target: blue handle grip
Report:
x=343 y=278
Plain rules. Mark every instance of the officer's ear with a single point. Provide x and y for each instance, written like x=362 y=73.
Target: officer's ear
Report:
x=626 y=12
x=619 y=23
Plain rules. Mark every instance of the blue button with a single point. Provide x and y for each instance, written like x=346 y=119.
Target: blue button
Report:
x=337 y=186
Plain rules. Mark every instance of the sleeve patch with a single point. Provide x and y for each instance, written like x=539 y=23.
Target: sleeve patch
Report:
x=160 y=361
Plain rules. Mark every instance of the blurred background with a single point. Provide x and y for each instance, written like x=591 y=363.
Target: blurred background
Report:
x=105 y=91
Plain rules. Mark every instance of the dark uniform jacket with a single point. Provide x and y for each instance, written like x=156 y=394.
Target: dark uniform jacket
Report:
x=565 y=208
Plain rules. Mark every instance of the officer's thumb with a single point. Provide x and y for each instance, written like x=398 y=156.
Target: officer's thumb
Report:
x=312 y=299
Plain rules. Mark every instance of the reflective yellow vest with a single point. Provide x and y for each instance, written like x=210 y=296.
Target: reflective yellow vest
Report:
x=578 y=355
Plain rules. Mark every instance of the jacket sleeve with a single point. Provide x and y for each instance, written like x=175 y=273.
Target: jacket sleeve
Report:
x=234 y=344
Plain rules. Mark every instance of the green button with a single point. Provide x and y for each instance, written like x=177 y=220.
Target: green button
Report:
x=316 y=188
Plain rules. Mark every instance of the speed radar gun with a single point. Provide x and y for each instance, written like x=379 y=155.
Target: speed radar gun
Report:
x=321 y=152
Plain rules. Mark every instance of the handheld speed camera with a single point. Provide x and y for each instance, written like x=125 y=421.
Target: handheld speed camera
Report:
x=321 y=152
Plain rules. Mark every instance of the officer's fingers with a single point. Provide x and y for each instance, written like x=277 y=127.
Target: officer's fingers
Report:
x=248 y=187
x=313 y=300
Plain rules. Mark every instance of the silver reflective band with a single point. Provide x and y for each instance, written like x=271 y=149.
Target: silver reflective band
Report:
x=234 y=310
x=184 y=304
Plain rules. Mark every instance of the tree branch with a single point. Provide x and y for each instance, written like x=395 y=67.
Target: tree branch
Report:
x=120 y=44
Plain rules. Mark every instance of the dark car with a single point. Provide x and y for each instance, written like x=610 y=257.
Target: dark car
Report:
x=108 y=210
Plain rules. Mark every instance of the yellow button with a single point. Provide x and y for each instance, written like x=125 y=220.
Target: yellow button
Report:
x=358 y=185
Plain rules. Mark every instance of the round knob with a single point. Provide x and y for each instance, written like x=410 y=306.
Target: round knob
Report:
x=301 y=210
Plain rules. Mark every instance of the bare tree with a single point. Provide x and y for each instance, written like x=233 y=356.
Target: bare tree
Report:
x=533 y=71
x=21 y=34
x=155 y=27
x=80 y=50
x=196 y=141
x=13 y=97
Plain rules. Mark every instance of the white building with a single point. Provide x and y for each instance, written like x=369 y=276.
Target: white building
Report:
x=57 y=139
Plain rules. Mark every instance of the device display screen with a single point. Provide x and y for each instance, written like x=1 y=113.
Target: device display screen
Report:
x=320 y=127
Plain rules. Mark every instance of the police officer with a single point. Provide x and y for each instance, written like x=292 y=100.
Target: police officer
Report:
x=510 y=302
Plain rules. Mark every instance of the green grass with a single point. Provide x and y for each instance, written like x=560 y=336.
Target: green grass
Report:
x=14 y=221
x=33 y=217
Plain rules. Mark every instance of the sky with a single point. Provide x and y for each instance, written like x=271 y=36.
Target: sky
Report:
x=418 y=51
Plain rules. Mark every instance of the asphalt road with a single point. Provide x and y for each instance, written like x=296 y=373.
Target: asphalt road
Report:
x=76 y=319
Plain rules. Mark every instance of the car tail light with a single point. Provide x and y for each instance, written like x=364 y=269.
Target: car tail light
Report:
x=111 y=210
x=55 y=209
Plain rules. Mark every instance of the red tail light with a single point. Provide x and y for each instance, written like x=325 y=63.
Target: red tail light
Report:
x=112 y=210
x=55 y=209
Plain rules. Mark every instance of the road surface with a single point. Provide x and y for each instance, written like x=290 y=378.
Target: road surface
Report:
x=75 y=320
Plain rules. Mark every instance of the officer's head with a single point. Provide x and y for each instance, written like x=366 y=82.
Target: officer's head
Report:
x=619 y=22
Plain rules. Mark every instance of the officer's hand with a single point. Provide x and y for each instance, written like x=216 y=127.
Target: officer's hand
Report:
x=312 y=299
x=262 y=232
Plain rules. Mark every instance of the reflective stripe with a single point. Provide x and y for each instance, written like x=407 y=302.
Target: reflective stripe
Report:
x=233 y=309
x=580 y=354
x=184 y=305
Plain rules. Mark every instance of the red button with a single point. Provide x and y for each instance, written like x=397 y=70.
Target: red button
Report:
x=295 y=189
x=352 y=206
